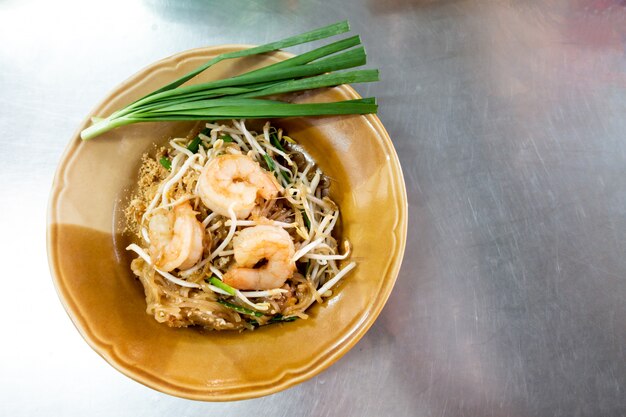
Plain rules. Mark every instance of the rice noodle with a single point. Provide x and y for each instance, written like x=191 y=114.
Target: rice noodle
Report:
x=165 y=275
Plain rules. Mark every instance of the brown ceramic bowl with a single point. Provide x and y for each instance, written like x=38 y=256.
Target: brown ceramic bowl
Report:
x=106 y=303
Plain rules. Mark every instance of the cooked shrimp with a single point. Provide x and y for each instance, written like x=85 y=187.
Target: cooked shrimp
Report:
x=235 y=180
x=175 y=238
x=264 y=258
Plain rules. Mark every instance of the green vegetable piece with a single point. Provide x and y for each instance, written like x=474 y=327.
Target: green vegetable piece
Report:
x=167 y=164
x=240 y=309
x=194 y=145
x=275 y=142
x=307 y=222
x=272 y=167
x=269 y=162
x=227 y=138
x=278 y=318
x=221 y=285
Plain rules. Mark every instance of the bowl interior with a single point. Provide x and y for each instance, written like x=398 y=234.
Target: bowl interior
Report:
x=91 y=268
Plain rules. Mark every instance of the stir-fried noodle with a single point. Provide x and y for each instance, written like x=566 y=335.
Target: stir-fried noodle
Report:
x=229 y=266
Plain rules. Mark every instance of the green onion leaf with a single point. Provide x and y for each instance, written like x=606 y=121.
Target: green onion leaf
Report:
x=321 y=33
x=311 y=56
x=221 y=285
x=319 y=81
x=227 y=138
x=344 y=60
x=216 y=111
x=240 y=96
x=240 y=309
x=167 y=164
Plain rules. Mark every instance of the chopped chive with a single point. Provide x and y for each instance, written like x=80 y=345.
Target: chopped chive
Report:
x=240 y=309
x=272 y=167
x=227 y=138
x=167 y=164
x=194 y=145
x=307 y=222
x=274 y=141
x=278 y=318
x=270 y=164
x=221 y=285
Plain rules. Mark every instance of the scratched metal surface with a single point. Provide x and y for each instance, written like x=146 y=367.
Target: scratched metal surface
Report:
x=508 y=117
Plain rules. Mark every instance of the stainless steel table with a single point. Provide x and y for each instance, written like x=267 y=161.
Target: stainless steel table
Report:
x=509 y=119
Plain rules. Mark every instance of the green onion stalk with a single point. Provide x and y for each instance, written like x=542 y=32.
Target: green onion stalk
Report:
x=245 y=96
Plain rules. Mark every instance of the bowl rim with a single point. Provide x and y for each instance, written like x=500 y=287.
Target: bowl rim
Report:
x=286 y=379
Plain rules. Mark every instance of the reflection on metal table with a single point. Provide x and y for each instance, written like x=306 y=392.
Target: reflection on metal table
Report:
x=508 y=117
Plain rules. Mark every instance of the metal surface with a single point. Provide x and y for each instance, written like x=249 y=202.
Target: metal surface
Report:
x=508 y=117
